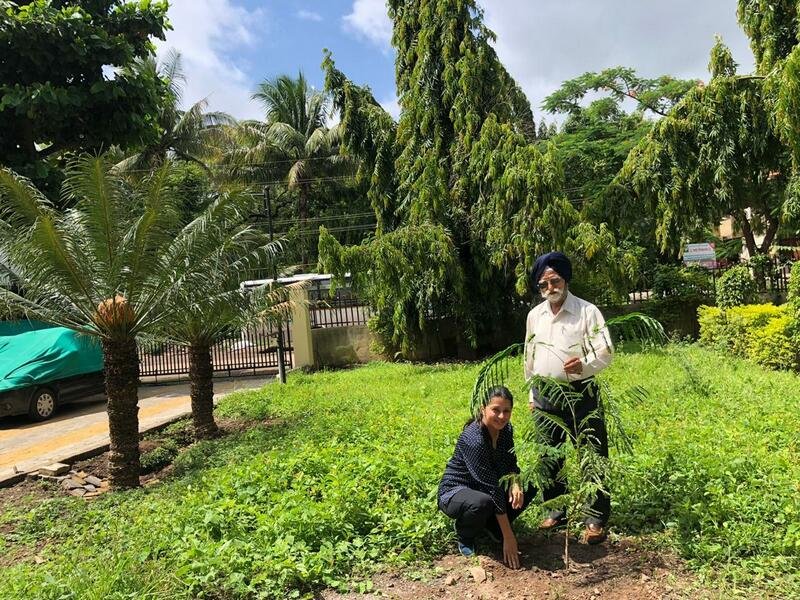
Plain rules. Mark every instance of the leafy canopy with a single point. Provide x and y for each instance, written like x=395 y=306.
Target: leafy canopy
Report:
x=716 y=154
x=121 y=240
x=57 y=92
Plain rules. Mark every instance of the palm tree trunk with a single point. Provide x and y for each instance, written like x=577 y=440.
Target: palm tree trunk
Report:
x=122 y=380
x=202 y=391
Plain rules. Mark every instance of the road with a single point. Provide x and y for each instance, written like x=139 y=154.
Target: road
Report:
x=82 y=428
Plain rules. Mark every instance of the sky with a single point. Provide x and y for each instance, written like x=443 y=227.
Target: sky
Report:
x=229 y=46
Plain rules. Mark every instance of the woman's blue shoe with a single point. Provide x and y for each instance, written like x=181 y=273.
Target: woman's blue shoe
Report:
x=466 y=549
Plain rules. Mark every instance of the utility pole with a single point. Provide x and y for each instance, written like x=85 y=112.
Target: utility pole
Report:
x=281 y=364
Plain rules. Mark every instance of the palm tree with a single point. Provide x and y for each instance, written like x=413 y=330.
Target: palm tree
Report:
x=293 y=145
x=199 y=321
x=187 y=135
x=110 y=267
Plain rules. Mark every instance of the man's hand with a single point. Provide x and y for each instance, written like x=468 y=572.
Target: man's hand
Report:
x=573 y=366
x=516 y=497
x=510 y=551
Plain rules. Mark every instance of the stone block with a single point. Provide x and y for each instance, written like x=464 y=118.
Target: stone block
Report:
x=71 y=484
x=54 y=469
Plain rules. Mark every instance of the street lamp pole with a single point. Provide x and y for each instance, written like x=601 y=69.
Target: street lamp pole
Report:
x=281 y=364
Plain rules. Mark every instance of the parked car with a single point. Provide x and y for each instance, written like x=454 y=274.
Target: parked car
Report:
x=43 y=367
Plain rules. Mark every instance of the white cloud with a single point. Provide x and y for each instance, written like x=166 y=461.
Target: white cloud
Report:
x=392 y=106
x=369 y=19
x=308 y=15
x=545 y=42
x=207 y=33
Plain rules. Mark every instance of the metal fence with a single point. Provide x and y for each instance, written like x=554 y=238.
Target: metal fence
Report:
x=343 y=309
x=252 y=350
x=771 y=277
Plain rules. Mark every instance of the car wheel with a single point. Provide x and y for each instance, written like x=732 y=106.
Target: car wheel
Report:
x=42 y=405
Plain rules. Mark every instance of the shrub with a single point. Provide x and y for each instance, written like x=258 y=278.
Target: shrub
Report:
x=764 y=333
x=793 y=292
x=772 y=345
x=689 y=284
x=736 y=287
x=712 y=325
x=677 y=293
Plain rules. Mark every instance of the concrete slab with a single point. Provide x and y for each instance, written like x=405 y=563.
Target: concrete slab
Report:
x=80 y=431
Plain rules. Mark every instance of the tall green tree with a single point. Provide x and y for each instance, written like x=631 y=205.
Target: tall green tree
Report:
x=111 y=267
x=459 y=171
x=774 y=30
x=57 y=92
x=657 y=96
x=596 y=138
x=715 y=154
x=200 y=321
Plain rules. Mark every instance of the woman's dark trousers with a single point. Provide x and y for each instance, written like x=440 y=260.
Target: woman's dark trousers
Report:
x=474 y=511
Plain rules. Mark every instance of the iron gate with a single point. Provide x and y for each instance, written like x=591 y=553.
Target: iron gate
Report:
x=252 y=350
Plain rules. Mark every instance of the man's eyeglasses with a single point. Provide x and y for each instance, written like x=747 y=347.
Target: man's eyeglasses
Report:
x=554 y=281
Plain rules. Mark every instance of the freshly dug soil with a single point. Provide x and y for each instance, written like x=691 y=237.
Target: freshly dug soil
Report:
x=618 y=570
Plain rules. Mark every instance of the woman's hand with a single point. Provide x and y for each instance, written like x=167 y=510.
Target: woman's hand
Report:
x=515 y=496
x=510 y=551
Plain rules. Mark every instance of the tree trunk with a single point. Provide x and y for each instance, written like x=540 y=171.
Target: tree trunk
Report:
x=202 y=392
x=122 y=380
x=27 y=141
x=749 y=239
x=769 y=236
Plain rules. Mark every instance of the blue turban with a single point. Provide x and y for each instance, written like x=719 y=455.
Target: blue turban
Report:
x=557 y=261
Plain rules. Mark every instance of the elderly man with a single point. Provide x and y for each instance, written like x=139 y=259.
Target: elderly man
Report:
x=566 y=339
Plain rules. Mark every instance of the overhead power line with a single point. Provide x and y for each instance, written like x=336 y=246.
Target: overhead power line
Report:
x=322 y=219
x=314 y=232
x=282 y=161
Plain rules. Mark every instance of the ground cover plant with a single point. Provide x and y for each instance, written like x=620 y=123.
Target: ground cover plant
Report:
x=339 y=471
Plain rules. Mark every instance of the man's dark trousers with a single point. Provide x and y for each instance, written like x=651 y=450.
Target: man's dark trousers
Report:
x=553 y=436
x=474 y=511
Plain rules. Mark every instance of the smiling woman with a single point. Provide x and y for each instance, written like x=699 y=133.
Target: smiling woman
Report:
x=471 y=491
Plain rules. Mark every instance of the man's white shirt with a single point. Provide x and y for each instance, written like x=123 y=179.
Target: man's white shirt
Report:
x=578 y=330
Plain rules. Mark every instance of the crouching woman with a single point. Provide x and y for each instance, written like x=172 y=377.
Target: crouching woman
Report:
x=471 y=492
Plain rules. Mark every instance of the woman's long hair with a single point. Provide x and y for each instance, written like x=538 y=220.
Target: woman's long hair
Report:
x=498 y=391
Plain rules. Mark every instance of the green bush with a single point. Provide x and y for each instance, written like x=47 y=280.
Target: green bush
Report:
x=764 y=333
x=689 y=284
x=712 y=326
x=793 y=293
x=736 y=287
x=773 y=346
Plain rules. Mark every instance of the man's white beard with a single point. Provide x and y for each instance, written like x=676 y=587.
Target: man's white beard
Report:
x=554 y=297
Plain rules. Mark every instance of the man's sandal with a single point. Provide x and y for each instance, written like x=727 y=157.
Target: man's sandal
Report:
x=551 y=523
x=594 y=534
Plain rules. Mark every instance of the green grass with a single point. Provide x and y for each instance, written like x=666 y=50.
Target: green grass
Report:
x=344 y=478
x=716 y=466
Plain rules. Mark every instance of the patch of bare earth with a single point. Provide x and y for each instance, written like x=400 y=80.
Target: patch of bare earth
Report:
x=619 y=570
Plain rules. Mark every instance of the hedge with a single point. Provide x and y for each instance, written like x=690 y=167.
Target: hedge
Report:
x=764 y=333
